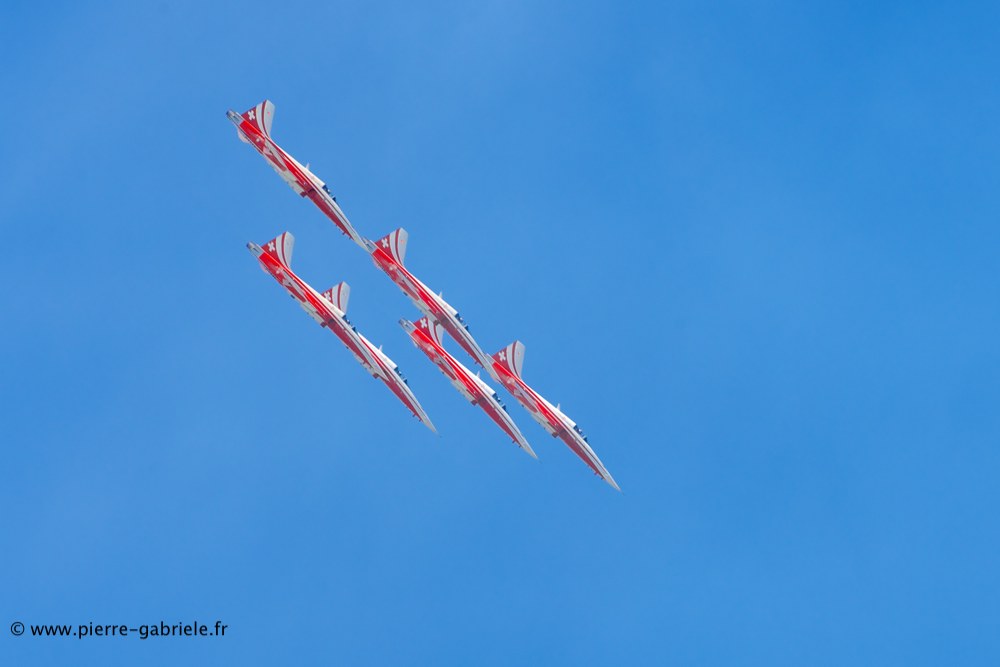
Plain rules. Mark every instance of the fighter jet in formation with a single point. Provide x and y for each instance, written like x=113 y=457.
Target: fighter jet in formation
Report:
x=329 y=309
x=388 y=254
x=426 y=335
x=254 y=128
x=506 y=368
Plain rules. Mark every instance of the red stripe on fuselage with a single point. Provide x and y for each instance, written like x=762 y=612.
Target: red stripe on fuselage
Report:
x=410 y=286
x=423 y=300
x=446 y=362
x=443 y=360
x=309 y=188
x=512 y=383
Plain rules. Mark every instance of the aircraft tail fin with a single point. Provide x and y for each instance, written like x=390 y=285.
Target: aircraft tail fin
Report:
x=432 y=329
x=511 y=357
x=260 y=117
x=338 y=296
x=395 y=244
x=280 y=248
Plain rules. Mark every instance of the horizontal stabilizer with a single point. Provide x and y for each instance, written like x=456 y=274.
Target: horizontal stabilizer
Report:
x=511 y=357
x=260 y=117
x=395 y=244
x=338 y=295
x=280 y=248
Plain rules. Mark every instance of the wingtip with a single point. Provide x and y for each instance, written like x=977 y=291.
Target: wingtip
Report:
x=611 y=480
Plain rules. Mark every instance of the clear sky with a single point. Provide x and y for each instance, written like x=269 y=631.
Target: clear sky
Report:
x=751 y=249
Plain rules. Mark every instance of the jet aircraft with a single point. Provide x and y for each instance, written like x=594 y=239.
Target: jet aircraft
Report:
x=254 y=127
x=426 y=335
x=328 y=309
x=388 y=254
x=506 y=368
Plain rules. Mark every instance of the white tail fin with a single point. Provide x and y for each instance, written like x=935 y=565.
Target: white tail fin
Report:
x=338 y=296
x=395 y=244
x=280 y=248
x=260 y=117
x=511 y=357
x=432 y=329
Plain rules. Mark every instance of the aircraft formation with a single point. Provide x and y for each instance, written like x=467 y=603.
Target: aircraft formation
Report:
x=329 y=309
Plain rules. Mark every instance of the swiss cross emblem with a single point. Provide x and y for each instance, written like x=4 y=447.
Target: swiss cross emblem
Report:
x=503 y=355
x=385 y=243
x=252 y=114
x=270 y=246
x=423 y=323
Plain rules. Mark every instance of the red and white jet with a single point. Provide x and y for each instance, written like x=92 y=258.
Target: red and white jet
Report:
x=328 y=310
x=254 y=128
x=388 y=254
x=426 y=335
x=506 y=368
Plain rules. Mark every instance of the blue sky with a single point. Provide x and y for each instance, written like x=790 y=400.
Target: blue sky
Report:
x=751 y=249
